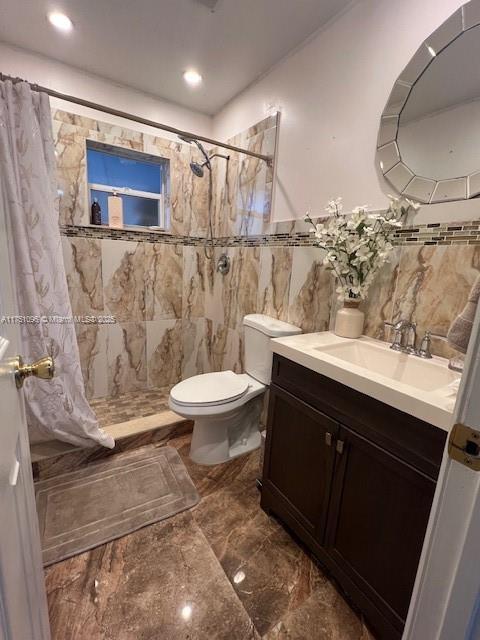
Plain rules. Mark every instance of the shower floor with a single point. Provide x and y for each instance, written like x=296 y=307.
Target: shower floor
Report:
x=138 y=414
x=130 y=406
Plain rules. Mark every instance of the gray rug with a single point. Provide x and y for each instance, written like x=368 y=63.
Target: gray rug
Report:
x=83 y=509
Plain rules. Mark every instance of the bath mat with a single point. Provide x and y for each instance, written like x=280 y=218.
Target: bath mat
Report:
x=84 y=509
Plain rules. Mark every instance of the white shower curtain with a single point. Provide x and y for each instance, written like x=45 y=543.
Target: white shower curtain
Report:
x=55 y=408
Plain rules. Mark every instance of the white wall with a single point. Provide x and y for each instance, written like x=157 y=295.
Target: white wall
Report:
x=61 y=77
x=331 y=93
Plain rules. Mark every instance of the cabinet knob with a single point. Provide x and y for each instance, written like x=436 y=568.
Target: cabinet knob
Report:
x=340 y=446
x=328 y=439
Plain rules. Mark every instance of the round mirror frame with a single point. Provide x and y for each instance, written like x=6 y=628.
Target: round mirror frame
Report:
x=395 y=170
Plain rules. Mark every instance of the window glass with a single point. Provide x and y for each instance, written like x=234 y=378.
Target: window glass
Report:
x=136 y=210
x=118 y=171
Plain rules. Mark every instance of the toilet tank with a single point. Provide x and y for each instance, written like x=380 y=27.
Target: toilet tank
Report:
x=259 y=330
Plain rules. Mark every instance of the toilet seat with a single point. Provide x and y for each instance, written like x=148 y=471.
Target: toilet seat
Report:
x=210 y=389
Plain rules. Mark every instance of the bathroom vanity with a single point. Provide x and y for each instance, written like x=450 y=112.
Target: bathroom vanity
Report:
x=351 y=475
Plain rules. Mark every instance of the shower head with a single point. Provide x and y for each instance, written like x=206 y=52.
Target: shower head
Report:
x=197 y=169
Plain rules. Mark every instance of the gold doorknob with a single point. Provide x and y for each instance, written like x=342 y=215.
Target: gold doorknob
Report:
x=43 y=368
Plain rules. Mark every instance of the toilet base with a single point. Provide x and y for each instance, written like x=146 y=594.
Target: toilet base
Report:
x=218 y=439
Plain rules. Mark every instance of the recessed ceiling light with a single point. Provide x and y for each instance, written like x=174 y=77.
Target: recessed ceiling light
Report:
x=60 y=21
x=192 y=77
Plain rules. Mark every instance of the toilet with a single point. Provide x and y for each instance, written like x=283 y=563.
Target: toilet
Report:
x=225 y=406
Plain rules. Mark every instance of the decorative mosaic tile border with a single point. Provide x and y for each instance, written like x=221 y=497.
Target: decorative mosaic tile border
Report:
x=439 y=233
x=128 y=233
x=423 y=234
x=294 y=239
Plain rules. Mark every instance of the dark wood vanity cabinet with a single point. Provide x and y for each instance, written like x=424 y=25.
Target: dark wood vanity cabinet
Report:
x=354 y=479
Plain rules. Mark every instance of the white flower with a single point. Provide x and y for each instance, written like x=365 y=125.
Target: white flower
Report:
x=414 y=205
x=361 y=209
x=334 y=206
x=357 y=245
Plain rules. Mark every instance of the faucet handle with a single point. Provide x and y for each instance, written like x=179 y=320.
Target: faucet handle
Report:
x=411 y=340
x=398 y=334
x=424 y=350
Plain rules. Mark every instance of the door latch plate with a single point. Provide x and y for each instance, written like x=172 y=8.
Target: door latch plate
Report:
x=464 y=446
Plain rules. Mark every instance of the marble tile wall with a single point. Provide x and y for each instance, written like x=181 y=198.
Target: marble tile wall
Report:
x=176 y=315
x=243 y=185
x=426 y=284
x=155 y=291
x=187 y=197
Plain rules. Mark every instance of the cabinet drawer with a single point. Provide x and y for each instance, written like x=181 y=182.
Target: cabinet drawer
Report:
x=413 y=440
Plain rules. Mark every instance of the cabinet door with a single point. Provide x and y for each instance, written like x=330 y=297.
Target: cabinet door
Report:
x=377 y=521
x=299 y=457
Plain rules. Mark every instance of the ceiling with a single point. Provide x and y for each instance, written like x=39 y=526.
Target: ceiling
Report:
x=147 y=44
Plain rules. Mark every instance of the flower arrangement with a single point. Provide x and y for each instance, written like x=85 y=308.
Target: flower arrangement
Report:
x=357 y=245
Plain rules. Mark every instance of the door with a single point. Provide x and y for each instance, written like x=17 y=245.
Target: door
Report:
x=446 y=600
x=23 y=607
x=378 y=497
x=299 y=460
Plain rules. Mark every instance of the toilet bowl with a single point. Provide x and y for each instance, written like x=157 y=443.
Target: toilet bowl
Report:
x=226 y=406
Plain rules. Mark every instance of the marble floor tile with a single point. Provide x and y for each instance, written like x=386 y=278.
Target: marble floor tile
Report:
x=130 y=406
x=323 y=616
x=222 y=571
x=160 y=582
x=270 y=573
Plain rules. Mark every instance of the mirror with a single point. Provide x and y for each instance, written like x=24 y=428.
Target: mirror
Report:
x=429 y=141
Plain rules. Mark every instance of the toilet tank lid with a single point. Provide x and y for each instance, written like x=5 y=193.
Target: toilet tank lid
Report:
x=270 y=326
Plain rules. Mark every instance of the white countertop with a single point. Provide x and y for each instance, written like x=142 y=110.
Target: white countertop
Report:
x=433 y=406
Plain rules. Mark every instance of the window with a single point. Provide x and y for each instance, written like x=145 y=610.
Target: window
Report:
x=138 y=178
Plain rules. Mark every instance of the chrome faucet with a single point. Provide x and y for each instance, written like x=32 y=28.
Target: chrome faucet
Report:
x=405 y=336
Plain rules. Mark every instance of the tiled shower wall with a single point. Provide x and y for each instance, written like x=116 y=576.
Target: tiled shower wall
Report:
x=176 y=316
x=154 y=285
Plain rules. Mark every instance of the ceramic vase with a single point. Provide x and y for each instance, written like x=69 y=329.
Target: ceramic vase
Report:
x=349 y=320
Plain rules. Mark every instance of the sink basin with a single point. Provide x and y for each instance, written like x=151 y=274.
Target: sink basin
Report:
x=426 y=375
x=423 y=388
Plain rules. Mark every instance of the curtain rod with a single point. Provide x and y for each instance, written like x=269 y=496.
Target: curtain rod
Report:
x=129 y=116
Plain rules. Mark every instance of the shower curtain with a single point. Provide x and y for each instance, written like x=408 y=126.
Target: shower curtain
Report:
x=55 y=408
